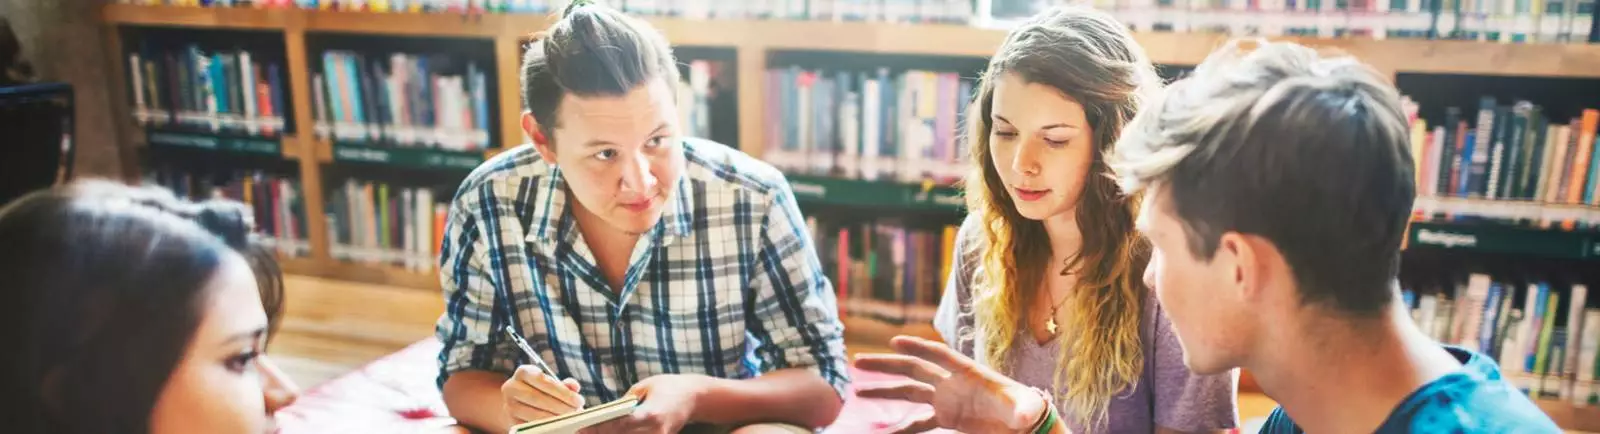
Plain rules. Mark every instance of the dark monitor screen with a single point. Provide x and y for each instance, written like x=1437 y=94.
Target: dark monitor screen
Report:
x=36 y=133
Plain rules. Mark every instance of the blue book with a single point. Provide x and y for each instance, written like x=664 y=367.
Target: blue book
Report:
x=219 y=83
x=480 y=98
x=1538 y=320
x=275 y=91
x=1589 y=194
x=424 y=78
x=1472 y=174
x=335 y=85
x=352 y=71
x=1491 y=316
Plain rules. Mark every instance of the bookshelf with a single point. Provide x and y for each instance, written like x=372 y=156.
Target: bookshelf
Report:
x=760 y=45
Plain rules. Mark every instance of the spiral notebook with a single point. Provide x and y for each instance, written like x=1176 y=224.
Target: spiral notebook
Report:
x=572 y=422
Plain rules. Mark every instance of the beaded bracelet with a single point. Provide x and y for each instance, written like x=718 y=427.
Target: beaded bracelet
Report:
x=1048 y=420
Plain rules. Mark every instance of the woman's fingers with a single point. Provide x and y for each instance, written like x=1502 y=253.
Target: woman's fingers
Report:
x=907 y=366
x=906 y=390
x=932 y=352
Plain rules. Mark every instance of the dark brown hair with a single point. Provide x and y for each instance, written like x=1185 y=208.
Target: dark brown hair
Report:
x=106 y=285
x=592 y=51
x=1309 y=152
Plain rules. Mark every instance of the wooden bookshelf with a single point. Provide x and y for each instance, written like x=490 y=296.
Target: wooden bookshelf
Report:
x=1395 y=55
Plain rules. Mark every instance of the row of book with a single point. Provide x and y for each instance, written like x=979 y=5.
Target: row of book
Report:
x=944 y=11
x=883 y=271
x=219 y=91
x=1487 y=20
x=872 y=125
x=1508 y=150
x=276 y=202
x=1546 y=344
x=380 y=223
x=1506 y=21
x=406 y=100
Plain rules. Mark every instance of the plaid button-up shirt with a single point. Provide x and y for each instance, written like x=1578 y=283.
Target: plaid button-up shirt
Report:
x=727 y=284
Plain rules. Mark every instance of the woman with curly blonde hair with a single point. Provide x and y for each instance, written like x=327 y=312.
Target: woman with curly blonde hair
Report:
x=1048 y=289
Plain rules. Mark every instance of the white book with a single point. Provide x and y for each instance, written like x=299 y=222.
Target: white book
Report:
x=1530 y=334
x=424 y=235
x=1589 y=342
x=1472 y=309
x=408 y=241
x=247 y=85
x=323 y=128
x=141 y=111
x=1569 y=368
x=1428 y=314
x=871 y=106
x=285 y=220
x=850 y=135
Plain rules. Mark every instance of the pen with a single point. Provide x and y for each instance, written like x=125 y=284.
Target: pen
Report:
x=527 y=350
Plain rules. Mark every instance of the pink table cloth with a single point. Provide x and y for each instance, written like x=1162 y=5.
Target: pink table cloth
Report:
x=396 y=394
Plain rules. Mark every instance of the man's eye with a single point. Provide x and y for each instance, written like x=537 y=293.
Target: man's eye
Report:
x=605 y=155
x=656 y=142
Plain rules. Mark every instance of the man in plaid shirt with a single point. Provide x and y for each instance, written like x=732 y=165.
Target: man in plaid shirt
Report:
x=634 y=262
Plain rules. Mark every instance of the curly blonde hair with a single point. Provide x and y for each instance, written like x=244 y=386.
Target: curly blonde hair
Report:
x=1092 y=59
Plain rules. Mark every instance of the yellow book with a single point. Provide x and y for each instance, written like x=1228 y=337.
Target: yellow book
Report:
x=380 y=5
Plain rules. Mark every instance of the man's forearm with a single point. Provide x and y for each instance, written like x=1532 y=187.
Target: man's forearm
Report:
x=795 y=396
x=473 y=398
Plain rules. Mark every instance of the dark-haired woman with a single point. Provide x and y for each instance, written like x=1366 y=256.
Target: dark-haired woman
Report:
x=130 y=311
x=634 y=261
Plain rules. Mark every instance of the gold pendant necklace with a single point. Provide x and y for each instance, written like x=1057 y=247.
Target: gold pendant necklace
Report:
x=1051 y=326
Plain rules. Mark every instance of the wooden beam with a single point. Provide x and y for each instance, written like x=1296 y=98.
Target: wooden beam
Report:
x=508 y=67
x=294 y=42
x=751 y=74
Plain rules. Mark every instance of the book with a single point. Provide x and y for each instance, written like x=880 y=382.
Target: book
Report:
x=572 y=422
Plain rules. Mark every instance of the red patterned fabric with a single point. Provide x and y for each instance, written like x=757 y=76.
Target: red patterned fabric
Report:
x=396 y=394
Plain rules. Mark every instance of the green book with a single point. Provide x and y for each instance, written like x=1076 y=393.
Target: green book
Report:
x=383 y=216
x=1548 y=328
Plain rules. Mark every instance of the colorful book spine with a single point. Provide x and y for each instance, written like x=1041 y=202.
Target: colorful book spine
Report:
x=381 y=223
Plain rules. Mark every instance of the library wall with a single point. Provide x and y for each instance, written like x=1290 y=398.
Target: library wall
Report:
x=73 y=33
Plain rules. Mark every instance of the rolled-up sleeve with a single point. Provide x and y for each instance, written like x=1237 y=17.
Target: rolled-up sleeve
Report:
x=468 y=327
x=794 y=314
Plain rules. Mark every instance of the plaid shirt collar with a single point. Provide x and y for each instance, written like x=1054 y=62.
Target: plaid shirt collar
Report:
x=551 y=223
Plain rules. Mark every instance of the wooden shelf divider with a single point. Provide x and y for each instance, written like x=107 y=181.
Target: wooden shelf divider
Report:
x=369 y=273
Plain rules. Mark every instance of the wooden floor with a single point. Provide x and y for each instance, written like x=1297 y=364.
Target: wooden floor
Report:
x=332 y=327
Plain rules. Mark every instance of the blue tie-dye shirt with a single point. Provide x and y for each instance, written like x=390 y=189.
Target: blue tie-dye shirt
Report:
x=1473 y=400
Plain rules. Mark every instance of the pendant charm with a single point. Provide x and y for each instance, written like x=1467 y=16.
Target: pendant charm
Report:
x=1050 y=326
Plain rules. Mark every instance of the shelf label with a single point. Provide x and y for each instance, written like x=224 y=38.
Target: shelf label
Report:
x=228 y=144
x=807 y=189
x=1509 y=240
x=411 y=157
x=1446 y=239
x=363 y=155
